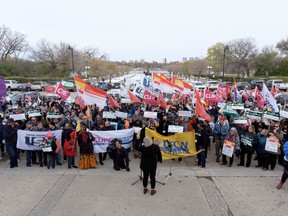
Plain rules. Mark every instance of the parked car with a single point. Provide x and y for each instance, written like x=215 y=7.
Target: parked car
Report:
x=24 y=87
x=11 y=85
x=197 y=85
x=212 y=84
x=39 y=85
x=243 y=85
x=277 y=84
x=225 y=83
x=53 y=83
x=258 y=83
x=20 y=96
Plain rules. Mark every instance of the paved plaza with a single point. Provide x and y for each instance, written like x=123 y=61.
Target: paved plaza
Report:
x=215 y=190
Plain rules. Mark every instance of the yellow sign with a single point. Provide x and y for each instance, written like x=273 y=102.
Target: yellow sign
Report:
x=177 y=145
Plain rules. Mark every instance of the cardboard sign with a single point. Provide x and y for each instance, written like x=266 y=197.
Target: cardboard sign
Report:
x=254 y=115
x=237 y=106
x=272 y=116
x=121 y=114
x=33 y=114
x=184 y=113
x=284 y=114
x=272 y=144
x=240 y=121
x=150 y=114
x=17 y=117
x=228 y=148
x=175 y=129
x=109 y=115
x=53 y=115
x=125 y=100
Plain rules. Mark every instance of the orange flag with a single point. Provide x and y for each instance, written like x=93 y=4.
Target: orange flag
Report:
x=161 y=101
x=113 y=102
x=88 y=113
x=200 y=111
x=196 y=94
x=133 y=98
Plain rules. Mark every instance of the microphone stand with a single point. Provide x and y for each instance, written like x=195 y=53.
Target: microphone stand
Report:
x=170 y=173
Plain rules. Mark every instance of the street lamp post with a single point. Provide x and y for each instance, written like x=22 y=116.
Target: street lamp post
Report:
x=72 y=52
x=224 y=57
x=209 y=69
x=87 y=71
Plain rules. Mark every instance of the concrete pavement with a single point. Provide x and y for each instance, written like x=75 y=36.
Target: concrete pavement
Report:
x=215 y=190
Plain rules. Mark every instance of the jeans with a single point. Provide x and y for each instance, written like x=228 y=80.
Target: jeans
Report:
x=12 y=151
x=51 y=161
x=201 y=157
x=71 y=162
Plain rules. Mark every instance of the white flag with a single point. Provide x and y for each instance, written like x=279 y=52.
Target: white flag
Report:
x=269 y=99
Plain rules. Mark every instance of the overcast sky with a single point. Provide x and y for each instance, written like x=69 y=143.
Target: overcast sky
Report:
x=147 y=29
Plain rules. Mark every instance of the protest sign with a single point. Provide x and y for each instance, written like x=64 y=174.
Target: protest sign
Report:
x=104 y=138
x=239 y=120
x=284 y=114
x=33 y=140
x=109 y=115
x=121 y=114
x=272 y=116
x=34 y=114
x=237 y=106
x=272 y=145
x=148 y=114
x=175 y=129
x=53 y=115
x=125 y=100
x=254 y=115
x=184 y=113
x=17 y=117
x=228 y=148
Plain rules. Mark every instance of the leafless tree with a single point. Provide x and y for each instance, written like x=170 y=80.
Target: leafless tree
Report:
x=11 y=43
x=283 y=46
x=241 y=54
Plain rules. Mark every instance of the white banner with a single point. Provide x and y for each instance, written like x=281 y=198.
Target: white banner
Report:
x=121 y=114
x=17 y=117
x=148 y=114
x=125 y=100
x=272 y=116
x=254 y=115
x=175 y=129
x=103 y=138
x=109 y=115
x=184 y=113
x=53 y=115
x=31 y=140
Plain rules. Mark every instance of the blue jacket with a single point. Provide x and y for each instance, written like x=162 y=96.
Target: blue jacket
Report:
x=285 y=148
x=261 y=142
x=220 y=132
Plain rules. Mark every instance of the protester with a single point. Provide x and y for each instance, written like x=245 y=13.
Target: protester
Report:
x=10 y=137
x=232 y=136
x=50 y=142
x=150 y=154
x=247 y=146
x=87 y=157
x=220 y=131
x=69 y=148
x=260 y=147
x=285 y=172
x=201 y=145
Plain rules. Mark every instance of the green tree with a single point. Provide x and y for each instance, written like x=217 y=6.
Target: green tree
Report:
x=266 y=62
x=215 y=57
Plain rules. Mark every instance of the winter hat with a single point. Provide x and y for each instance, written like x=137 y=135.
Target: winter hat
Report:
x=147 y=142
x=49 y=134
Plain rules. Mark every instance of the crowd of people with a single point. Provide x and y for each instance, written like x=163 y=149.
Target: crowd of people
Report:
x=248 y=139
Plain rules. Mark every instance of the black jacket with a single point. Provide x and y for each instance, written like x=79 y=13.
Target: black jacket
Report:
x=149 y=157
x=10 y=135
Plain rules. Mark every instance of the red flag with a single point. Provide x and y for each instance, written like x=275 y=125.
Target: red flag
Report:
x=133 y=98
x=272 y=91
x=148 y=98
x=62 y=92
x=245 y=95
x=260 y=99
x=200 y=111
x=113 y=102
x=210 y=96
x=161 y=101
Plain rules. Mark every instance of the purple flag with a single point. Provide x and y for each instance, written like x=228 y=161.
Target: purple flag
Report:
x=2 y=86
